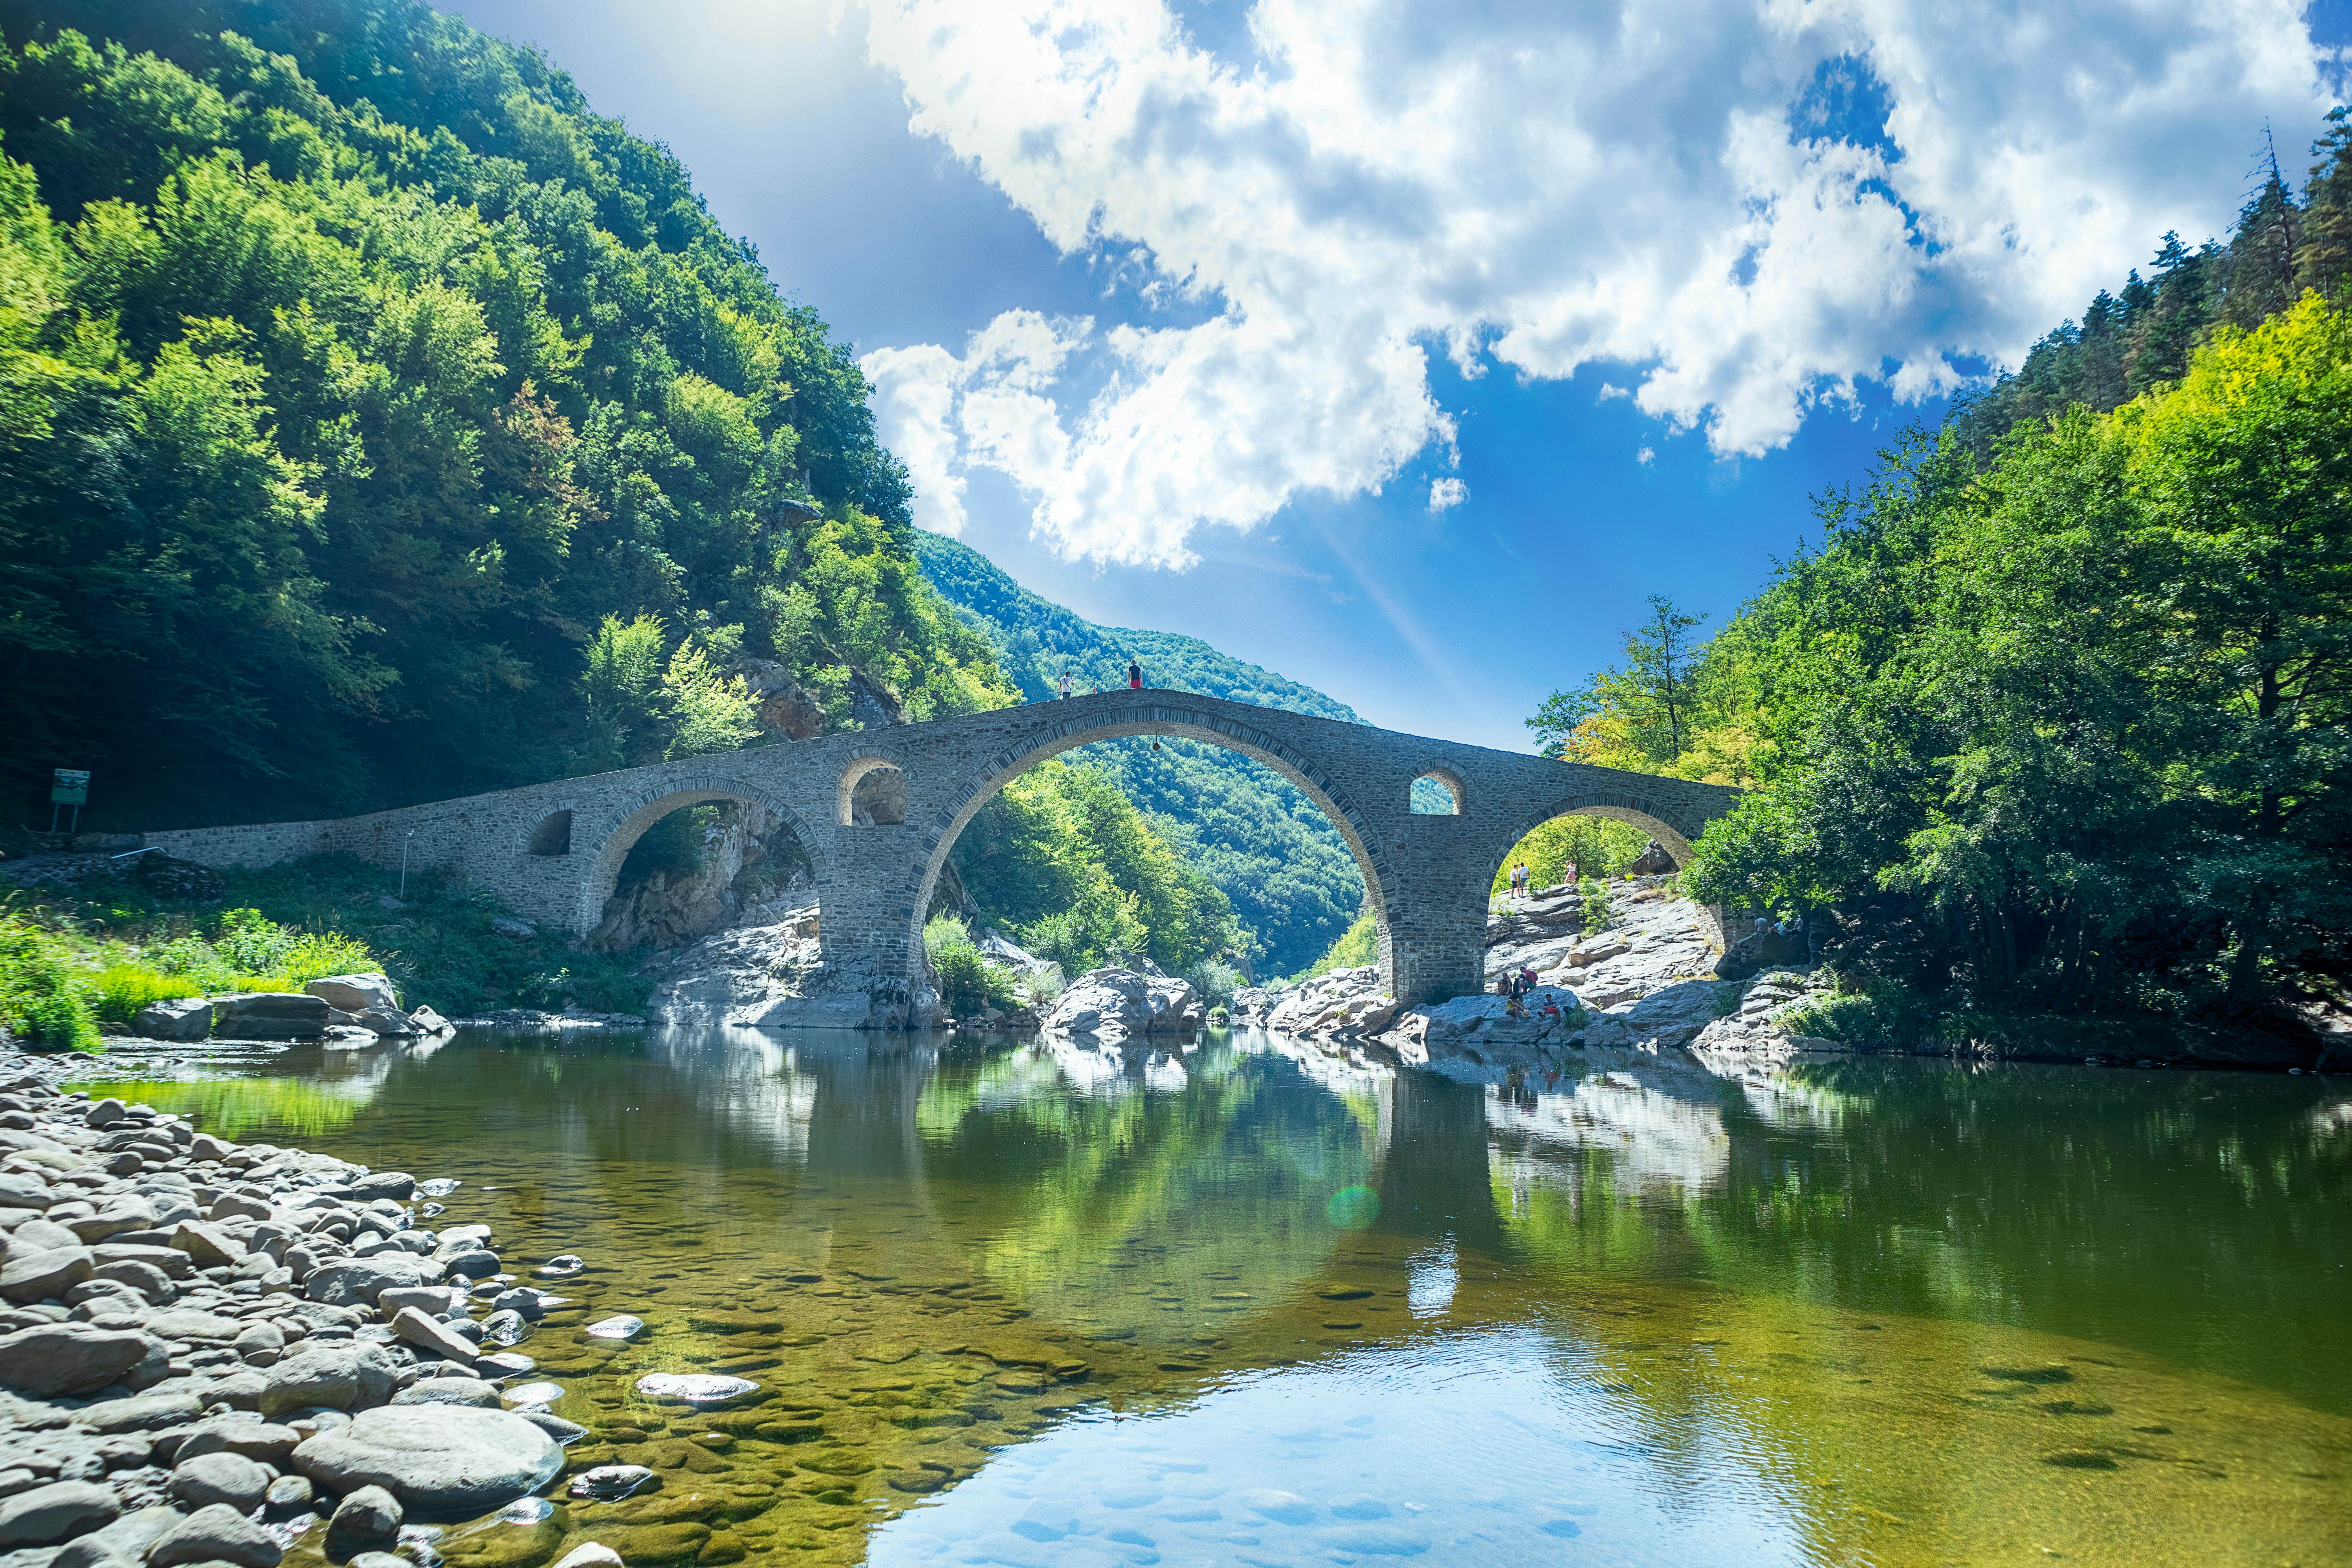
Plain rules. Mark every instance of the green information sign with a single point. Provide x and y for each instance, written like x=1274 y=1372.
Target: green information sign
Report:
x=71 y=787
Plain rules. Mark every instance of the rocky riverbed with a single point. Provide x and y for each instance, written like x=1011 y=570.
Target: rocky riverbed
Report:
x=211 y=1352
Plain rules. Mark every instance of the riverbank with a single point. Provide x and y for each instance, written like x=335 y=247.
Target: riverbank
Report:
x=116 y=954
x=1647 y=974
x=89 y=939
x=216 y=1352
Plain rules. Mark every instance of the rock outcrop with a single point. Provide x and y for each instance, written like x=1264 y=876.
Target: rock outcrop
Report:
x=772 y=976
x=1344 y=1002
x=1120 y=1003
x=269 y=1015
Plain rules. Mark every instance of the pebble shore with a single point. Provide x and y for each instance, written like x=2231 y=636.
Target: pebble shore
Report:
x=215 y=1353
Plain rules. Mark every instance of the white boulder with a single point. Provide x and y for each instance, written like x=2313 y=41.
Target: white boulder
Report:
x=1120 y=1001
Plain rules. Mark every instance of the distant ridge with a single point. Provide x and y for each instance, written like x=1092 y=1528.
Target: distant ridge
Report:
x=1036 y=637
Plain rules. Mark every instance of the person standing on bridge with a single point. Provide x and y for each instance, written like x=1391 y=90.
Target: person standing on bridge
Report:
x=1065 y=685
x=1134 y=676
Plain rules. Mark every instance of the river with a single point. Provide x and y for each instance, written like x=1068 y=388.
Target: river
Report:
x=1254 y=1304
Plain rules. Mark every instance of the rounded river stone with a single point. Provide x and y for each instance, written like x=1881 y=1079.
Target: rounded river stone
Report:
x=436 y=1458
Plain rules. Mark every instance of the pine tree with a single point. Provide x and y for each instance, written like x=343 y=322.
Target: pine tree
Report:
x=2325 y=259
x=2262 y=279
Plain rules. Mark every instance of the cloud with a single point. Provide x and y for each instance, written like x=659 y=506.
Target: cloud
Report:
x=1444 y=493
x=1746 y=209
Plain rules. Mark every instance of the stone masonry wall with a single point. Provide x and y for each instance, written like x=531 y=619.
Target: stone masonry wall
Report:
x=1428 y=875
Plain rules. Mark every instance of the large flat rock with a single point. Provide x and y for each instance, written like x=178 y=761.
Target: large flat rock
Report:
x=437 y=1459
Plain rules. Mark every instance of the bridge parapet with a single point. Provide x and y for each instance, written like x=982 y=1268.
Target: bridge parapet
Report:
x=1427 y=876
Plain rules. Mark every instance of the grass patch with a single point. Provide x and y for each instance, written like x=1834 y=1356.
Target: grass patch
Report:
x=98 y=951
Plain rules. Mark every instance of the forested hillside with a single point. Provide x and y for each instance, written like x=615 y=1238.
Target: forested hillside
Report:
x=2056 y=712
x=1271 y=852
x=378 y=423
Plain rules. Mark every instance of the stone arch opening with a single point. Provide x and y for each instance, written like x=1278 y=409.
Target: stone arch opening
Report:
x=1172 y=720
x=1607 y=853
x=686 y=862
x=553 y=836
x=872 y=794
x=1436 y=793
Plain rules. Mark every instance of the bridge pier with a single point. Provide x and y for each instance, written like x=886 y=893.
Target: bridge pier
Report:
x=1433 y=941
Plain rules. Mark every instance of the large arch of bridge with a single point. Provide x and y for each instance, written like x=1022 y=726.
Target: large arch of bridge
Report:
x=1633 y=810
x=648 y=807
x=1173 y=720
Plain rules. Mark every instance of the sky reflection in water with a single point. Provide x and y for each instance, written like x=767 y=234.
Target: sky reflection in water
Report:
x=1893 y=1311
x=1468 y=1448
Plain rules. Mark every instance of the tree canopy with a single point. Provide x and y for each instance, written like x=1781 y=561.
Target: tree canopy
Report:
x=355 y=372
x=2056 y=712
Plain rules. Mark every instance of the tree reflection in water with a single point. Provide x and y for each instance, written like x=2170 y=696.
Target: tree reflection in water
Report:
x=1900 y=1311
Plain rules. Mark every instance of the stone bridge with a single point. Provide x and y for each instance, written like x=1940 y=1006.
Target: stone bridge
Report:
x=877 y=812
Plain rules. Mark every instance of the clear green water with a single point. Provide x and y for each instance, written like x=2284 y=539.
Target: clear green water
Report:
x=1253 y=1306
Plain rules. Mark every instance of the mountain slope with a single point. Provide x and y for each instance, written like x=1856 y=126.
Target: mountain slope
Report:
x=356 y=371
x=1266 y=846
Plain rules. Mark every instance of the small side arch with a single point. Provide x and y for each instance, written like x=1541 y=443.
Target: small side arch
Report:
x=1448 y=796
x=858 y=787
x=648 y=807
x=552 y=836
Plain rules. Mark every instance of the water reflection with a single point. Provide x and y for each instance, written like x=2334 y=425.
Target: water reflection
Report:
x=1159 y=1201
x=1473 y=1449
x=1896 y=1311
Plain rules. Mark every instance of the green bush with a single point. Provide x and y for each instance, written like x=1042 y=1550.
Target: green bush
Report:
x=1886 y=1015
x=969 y=982
x=40 y=990
x=1214 y=981
x=1040 y=987
x=1596 y=903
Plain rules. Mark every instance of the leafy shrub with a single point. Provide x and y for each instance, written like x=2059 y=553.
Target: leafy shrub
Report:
x=969 y=982
x=1596 y=904
x=40 y=990
x=1886 y=1015
x=1040 y=987
x=1214 y=981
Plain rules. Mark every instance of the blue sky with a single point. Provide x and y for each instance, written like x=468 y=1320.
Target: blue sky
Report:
x=1404 y=348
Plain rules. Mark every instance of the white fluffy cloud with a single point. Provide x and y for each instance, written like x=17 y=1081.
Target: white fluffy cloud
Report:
x=1748 y=206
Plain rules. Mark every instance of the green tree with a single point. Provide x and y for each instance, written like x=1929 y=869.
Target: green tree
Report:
x=1643 y=713
x=355 y=372
x=2077 y=724
x=643 y=708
